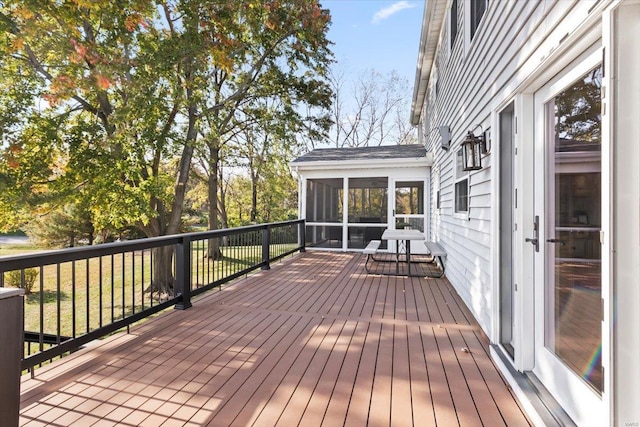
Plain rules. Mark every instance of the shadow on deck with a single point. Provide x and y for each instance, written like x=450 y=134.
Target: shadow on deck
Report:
x=313 y=341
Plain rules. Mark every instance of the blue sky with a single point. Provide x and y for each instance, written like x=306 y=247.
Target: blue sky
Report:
x=379 y=34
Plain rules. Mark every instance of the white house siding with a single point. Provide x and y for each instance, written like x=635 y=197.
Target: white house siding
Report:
x=474 y=81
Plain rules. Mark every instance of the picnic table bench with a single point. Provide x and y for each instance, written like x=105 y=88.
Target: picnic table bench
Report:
x=437 y=252
x=370 y=251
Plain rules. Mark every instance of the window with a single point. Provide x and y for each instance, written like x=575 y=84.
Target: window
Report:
x=478 y=8
x=453 y=22
x=438 y=187
x=462 y=186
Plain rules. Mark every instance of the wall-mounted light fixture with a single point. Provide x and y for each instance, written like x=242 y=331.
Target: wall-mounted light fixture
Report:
x=473 y=147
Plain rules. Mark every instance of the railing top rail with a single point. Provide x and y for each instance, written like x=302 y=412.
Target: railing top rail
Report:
x=237 y=230
x=16 y=262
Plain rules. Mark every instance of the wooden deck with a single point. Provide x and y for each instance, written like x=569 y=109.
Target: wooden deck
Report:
x=313 y=341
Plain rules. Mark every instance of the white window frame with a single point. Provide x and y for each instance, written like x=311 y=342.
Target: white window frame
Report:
x=467 y=22
x=459 y=177
x=451 y=42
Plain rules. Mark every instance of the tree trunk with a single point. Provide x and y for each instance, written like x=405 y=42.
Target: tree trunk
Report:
x=162 y=283
x=92 y=233
x=222 y=201
x=254 y=198
x=213 y=251
x=170 y=224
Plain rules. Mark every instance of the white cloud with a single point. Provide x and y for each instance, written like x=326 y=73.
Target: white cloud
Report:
x=388 y=11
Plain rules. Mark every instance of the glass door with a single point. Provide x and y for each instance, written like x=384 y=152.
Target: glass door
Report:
x=409 y=208
x=568 y=279
x=367 y=211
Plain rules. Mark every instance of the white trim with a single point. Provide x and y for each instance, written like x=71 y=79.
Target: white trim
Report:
x=529 y=409
x=621 y=157
x=345 y=213
x=524 y=215
x=426 y=161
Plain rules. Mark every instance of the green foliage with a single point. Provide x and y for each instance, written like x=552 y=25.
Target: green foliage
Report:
x=62 y=228
x=578 y=110
x=103 y=101
x=102 y=104
x=70 y=108
x=15 y=279
x=278 y=86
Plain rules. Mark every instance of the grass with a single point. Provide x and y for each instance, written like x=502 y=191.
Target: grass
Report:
x=95 y=292
x=17 y=249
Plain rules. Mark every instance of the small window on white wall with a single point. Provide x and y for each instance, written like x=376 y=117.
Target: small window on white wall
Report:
x=478 y=7
x=453 y=23
x=461 y=202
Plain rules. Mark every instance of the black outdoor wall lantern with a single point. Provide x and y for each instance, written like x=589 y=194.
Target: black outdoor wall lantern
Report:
x=473 y=147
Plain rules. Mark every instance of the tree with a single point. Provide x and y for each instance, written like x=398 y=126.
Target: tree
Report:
x=263 y=150
x=371 y=110
x=280 y=53
x=111 y=97
x=105 y=84
x=63 y=227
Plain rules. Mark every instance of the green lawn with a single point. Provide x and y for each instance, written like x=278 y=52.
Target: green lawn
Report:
x=17 y=249
x=113 y=287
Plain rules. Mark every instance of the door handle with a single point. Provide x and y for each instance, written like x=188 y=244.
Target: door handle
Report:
x=557 y=241
x=534 y=240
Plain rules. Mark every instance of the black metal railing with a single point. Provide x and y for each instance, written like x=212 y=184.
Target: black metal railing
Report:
x=81 y=294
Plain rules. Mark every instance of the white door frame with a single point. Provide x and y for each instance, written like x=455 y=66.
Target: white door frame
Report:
x=596 y=28
x=580 y=402
x=393 y=180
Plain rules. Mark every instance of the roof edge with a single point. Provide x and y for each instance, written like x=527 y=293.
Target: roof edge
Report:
x=426 y=161
x=432 y=21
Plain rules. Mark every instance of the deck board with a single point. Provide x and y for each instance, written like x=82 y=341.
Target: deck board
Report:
x=314 y=341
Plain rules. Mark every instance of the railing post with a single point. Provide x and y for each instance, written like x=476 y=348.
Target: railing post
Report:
x=12 y=339
x=266 y=243
x=303 y=236
x=183 y=274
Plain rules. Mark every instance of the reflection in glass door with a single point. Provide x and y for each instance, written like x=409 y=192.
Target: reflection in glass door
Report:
x=573 y=310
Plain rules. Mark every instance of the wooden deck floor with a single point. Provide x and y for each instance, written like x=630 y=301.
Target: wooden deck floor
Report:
x=313 y=341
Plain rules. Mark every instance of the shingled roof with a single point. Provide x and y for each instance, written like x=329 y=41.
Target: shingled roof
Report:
x=364 y=153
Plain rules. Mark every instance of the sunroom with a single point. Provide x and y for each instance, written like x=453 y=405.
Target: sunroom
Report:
x=350 y=196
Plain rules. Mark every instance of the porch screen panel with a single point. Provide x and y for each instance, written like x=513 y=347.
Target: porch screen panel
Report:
x=324 y=200
x=368 y=200
x=324 y=236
